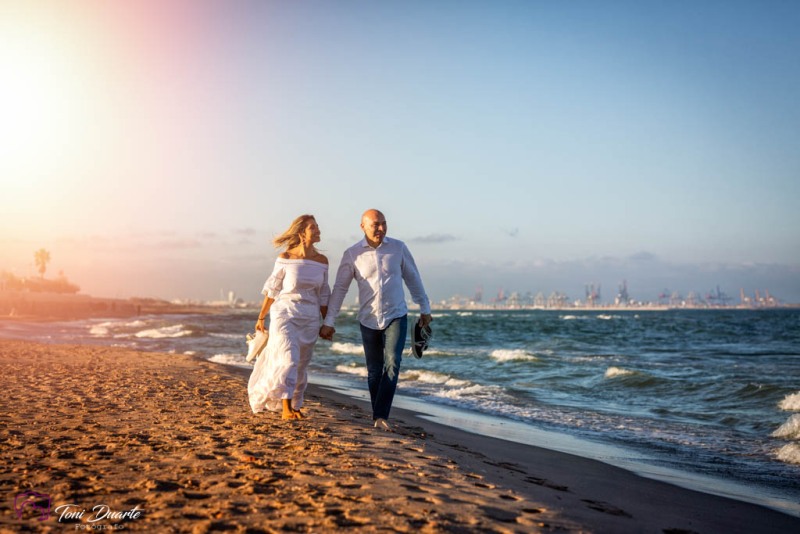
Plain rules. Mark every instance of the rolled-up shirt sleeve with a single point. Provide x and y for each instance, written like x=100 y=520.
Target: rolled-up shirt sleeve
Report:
x=414 y=282
x=344 y=277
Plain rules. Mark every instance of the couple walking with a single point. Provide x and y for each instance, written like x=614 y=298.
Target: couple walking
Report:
x=297 y=294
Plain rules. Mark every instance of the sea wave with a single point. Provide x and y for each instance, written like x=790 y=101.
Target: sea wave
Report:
x=475 y=390
x=352 y=369
x=347 y=348
x=789 y=453
x=228 y=336
x=177 y=330
x=790 y=429
x=98 y=330
x=432 y=377
x=236 y=360
x=104 y=329
x=512 y=355
x=433 y=352
x=614 y=372
x=790 y=403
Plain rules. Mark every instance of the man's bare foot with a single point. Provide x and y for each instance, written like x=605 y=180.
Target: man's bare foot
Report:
x=383 y=424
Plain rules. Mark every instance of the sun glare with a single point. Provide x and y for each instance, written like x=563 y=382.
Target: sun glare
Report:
x=37 y=90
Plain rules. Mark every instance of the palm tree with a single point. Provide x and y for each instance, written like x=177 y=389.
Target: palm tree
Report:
x=42 y=258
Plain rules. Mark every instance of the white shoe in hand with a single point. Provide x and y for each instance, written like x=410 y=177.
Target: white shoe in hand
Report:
x=255 y=344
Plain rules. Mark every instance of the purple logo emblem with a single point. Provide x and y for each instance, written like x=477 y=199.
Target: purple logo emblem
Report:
x=32 y=499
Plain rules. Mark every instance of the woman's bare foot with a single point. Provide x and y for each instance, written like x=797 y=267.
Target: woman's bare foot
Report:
x=289 y=412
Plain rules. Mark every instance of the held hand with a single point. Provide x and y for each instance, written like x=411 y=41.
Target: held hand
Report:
x=326 y=332
x=425 y=319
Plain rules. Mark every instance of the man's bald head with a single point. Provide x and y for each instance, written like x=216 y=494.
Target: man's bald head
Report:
x=373 y=223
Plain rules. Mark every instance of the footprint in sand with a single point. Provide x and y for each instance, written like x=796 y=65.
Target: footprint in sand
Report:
x=159 y=485
x=606 y=508
x=195 y=496
x=412 y=487
x=507 y=465
x=349 y=486
x=546 y=483
x=498 y=514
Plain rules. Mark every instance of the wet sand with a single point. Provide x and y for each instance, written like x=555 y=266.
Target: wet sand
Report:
x=168 y=443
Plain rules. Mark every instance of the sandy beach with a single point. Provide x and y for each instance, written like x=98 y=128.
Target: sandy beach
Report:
x=118 y=439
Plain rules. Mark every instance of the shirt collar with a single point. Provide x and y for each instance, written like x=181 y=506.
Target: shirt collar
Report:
x=365 y=244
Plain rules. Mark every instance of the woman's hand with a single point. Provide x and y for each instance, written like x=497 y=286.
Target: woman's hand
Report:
x=260 y=325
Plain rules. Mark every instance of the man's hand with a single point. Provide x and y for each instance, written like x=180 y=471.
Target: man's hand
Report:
x=326 y=332
x=425 y=319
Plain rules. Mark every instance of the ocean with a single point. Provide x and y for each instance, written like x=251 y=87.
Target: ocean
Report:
x=707 y=399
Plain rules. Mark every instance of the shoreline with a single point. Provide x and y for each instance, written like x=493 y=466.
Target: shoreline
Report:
x=615 y=455
x=173 y=435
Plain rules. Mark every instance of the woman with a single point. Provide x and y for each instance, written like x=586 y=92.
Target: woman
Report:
x=295 y=295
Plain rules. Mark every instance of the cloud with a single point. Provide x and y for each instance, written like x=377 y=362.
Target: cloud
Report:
x=433 y=239
x=177 y=244
x=643 y=256
x=245 y=231
x=513 y=232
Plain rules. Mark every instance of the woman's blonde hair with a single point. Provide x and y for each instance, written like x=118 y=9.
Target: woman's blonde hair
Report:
x=291 y=237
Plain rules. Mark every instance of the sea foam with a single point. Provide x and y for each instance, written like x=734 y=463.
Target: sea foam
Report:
x=790 y=403
x=104 y=328
x=613 y=372
x=347 y=348
x=516 y=355
x=229 y=359
x=352 y=369
x=790 y=429
x=167 y=331
x=432 y=377
x=98 y=330
x=459 y=393
x=789 y=453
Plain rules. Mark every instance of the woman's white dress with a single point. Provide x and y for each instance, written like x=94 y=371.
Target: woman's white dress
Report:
x=299 y=288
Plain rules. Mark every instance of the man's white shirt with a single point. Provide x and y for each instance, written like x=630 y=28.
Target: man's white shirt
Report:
x=380 y=273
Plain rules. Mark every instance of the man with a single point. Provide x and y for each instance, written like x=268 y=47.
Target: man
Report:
x=380 y=265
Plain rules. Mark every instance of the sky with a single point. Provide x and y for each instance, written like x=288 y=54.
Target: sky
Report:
x=155 y=148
